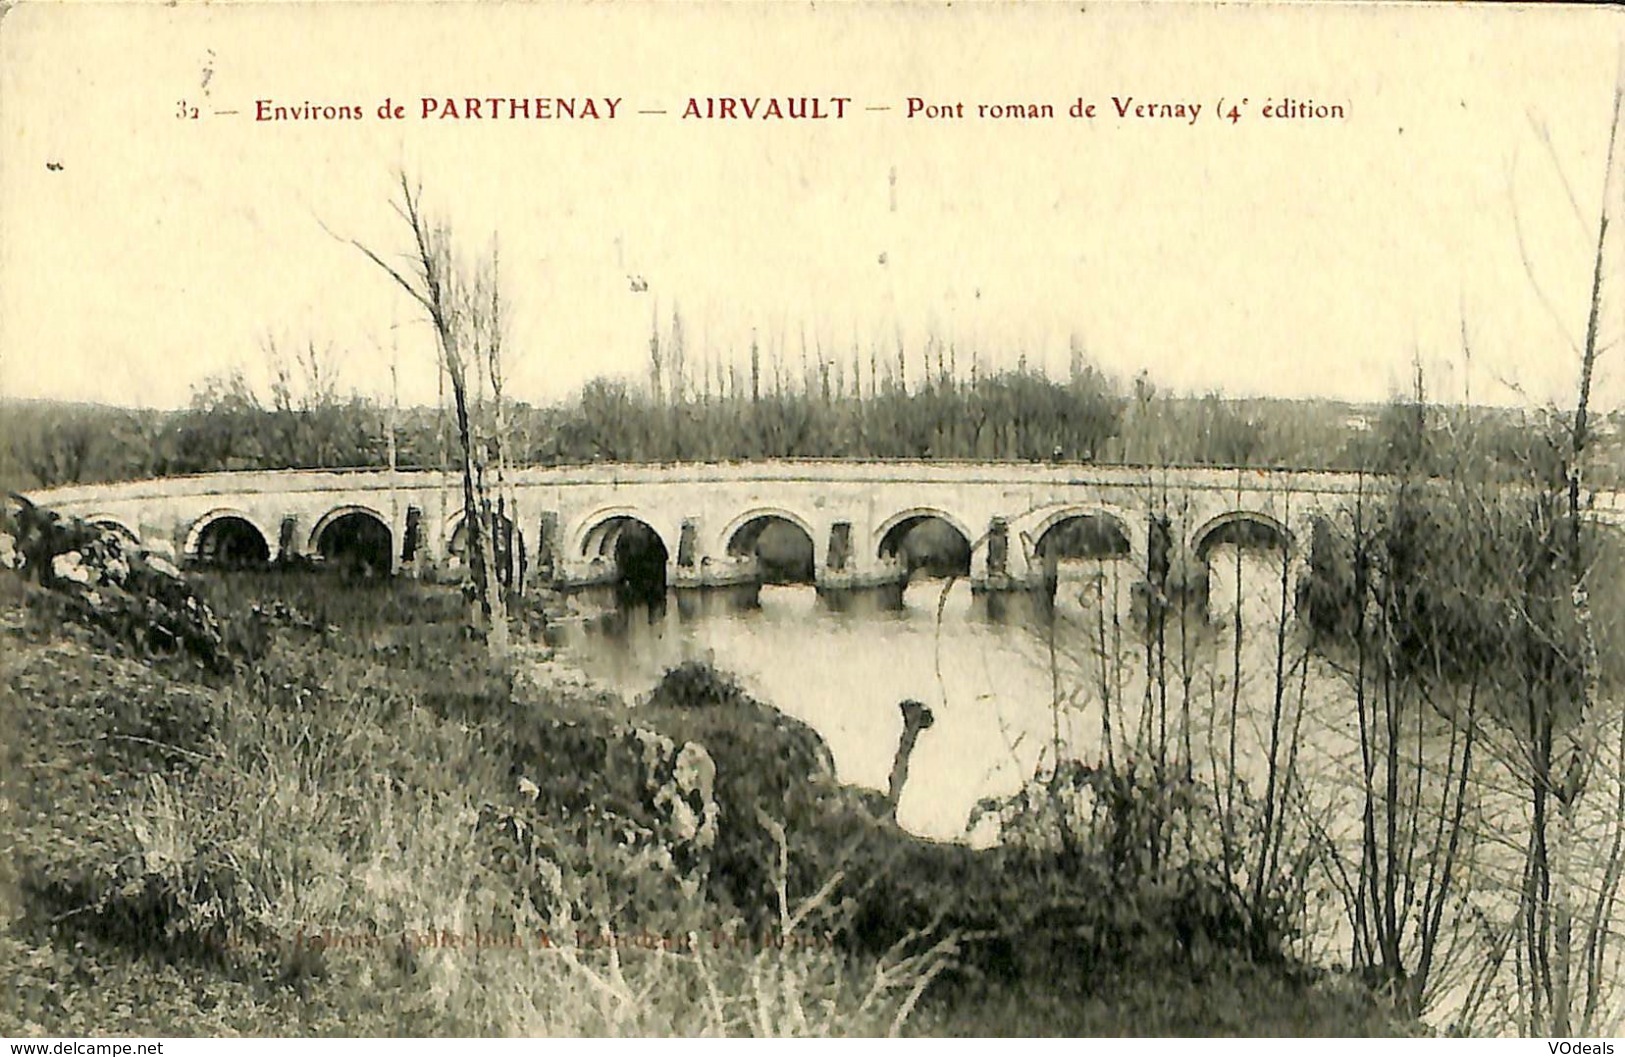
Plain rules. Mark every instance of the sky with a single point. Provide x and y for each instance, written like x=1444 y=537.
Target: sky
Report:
x=1454 y=206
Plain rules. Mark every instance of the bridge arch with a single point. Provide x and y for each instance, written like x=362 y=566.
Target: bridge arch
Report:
x=889 y=537
x=640 y=552
x=456 y=534
x=512 y=560
x=595 y=535
x=1247 y=529
x=108 y=521
x=793 y=549
x=356 y=537
x=227 y=536
x=1089 y=531
x=1252 y=587
x=728 y=536
x=1083 y=555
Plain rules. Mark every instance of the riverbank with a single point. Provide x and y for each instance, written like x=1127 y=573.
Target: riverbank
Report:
x=361 y=828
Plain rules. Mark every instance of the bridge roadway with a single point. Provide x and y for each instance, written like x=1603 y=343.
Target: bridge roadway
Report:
x=707 y=516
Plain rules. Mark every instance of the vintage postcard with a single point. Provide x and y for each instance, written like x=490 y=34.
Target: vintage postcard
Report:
x=869 y=519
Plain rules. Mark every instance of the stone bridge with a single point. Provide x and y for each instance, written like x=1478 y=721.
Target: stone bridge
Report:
x=701 y=522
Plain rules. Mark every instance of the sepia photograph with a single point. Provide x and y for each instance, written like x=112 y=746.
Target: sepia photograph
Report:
x=884 y=519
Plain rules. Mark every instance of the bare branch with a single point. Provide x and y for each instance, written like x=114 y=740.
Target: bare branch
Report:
x=1529 y=271
x=1545 y=136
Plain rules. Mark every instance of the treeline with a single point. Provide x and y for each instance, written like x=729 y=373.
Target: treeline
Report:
x=1012 y=415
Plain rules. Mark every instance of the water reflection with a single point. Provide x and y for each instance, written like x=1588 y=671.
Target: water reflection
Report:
x=1009 y=675
x=842 y=663
x=1013 y=678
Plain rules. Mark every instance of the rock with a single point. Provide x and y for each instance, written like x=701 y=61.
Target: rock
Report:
x=136 y=596
x=71 y=566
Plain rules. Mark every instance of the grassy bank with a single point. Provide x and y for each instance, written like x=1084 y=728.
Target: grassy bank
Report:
x=361 y=828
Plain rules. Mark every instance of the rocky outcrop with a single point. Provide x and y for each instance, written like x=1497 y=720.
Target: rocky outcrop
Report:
x=100 y=579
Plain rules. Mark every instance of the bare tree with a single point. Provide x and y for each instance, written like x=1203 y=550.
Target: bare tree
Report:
x=309 y=418
x=1522 y=639
x=463 y=302
x=1564 y=750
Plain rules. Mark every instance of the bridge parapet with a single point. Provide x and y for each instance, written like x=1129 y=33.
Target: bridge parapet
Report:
x=570 y=520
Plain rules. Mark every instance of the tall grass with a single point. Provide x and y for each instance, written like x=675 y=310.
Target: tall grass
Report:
x=344 y=832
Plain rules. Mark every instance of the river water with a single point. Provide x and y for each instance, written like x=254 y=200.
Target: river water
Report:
x=1009 y=686
x=844 y=673
x=989 y=677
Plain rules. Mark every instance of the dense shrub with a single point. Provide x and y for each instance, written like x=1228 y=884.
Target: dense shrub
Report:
x=1444 y=589
x=1133 y=866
